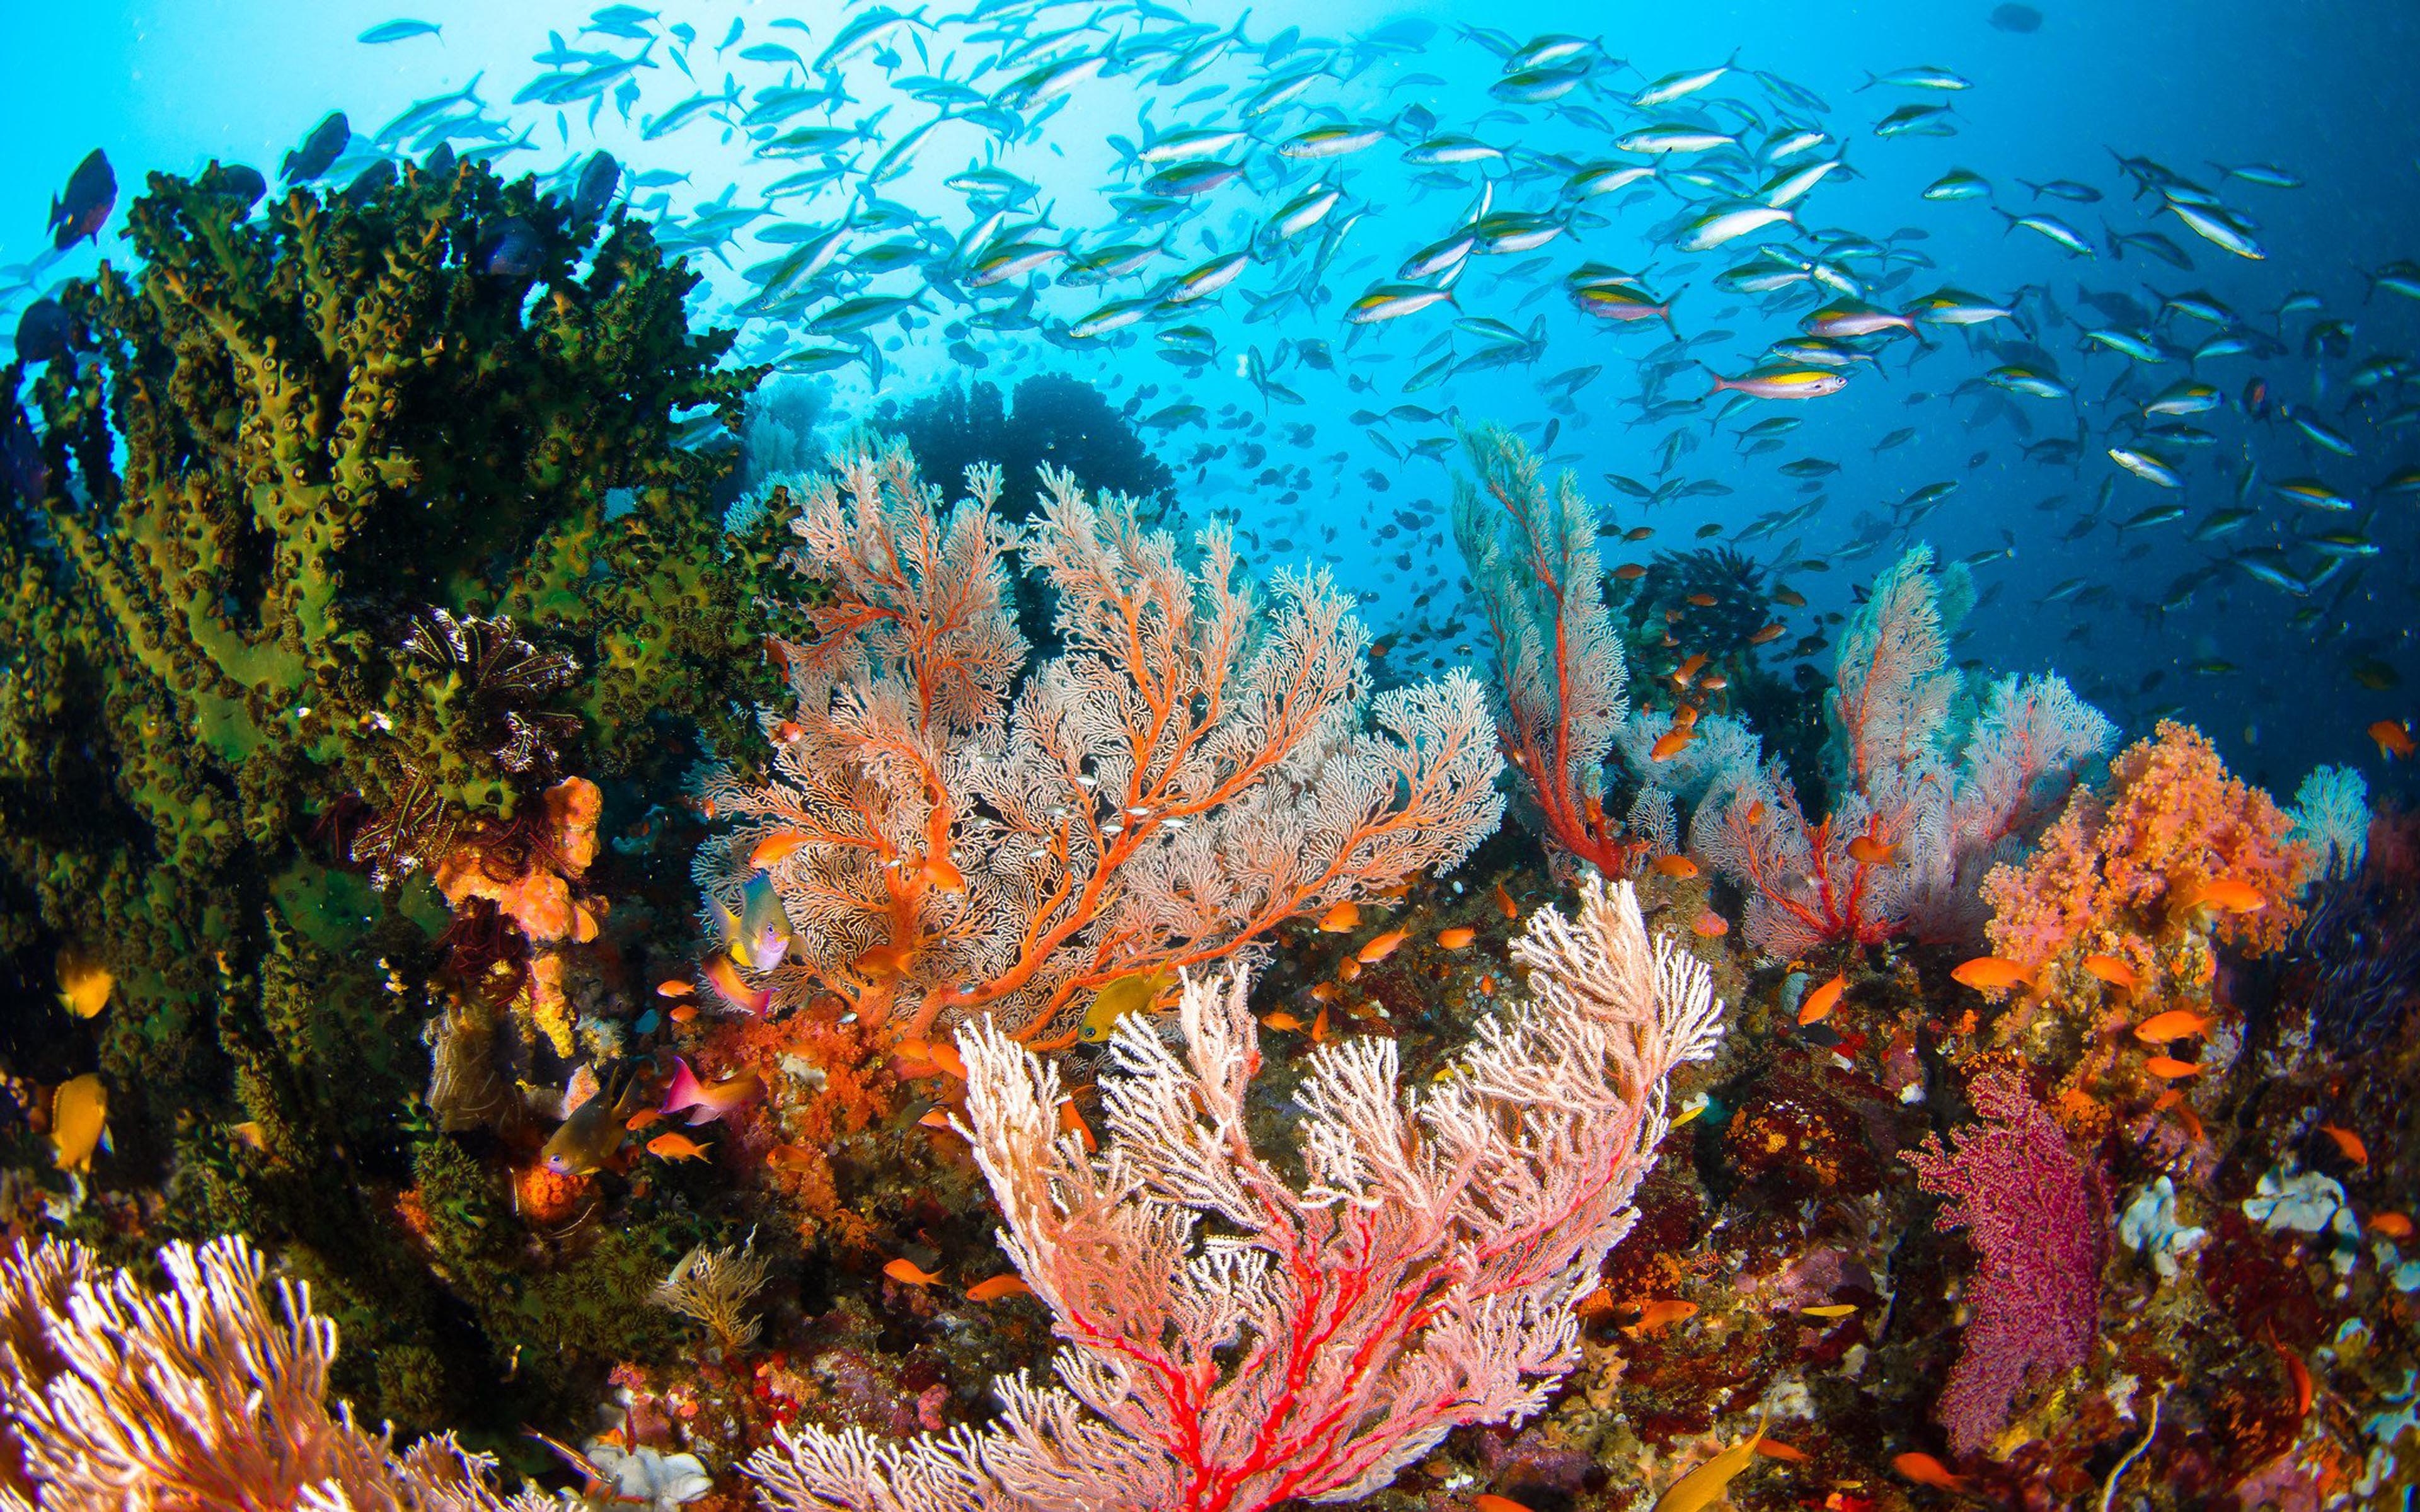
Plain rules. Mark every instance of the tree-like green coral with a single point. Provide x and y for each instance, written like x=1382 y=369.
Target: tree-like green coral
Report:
x=341 y=528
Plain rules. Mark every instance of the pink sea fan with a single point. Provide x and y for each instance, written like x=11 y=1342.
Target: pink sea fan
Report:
x=2040 y=1218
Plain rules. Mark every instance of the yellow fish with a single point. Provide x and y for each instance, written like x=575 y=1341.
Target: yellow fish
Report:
x=84 y=984
x=79 y=1113
x=1706 y=1485
x=1130 y=994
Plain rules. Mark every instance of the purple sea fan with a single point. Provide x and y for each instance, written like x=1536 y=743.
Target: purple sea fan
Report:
x=2040 y=1218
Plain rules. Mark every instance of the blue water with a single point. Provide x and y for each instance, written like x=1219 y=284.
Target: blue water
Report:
x=2282 y=680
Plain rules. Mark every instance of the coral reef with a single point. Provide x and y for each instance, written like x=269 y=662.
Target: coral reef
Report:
x=1421 y=1279
x=950 y=831
x=358 y=523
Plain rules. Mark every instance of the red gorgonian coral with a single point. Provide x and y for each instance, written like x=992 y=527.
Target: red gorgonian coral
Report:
x=2038 y=1218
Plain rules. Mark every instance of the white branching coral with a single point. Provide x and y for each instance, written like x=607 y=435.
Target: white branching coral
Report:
x=1234 y=1342
x=1931 y=789
x=951 y=832
x=114 y=1398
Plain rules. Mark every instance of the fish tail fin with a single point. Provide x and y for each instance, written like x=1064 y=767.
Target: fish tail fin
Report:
x=1669 y=324
x=1870 y=81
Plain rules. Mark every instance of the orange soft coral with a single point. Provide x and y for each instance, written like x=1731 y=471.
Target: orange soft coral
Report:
x=2130 y=867
x=531 y=883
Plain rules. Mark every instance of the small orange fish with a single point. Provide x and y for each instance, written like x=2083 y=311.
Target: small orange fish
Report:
x=1281 y=1020
x=884 y=962
x=1504 y=903
x=2394 y=739
x=1457 y=938
x=1343 y=918
x=936 y=1119
x=1866 y=851
x=1379 y=948
x=2175 y=1023
x=2394 y=1226
x=1991 y=974
x=1714 y=682
x=1637 y=534
x=1711 y=925
x=941 y=874
x=1319 y=1027
x=2348 y=1143
x=775 y=848
x=1685 y=716
x=2299 y=1375
x=1756 y=811
x=2226 y=895
x=1775 y=1449
x=1925 y=1471
x=2169 y=1068
x=1819 y=1003
x=726 y=979
x=1669 y=744
x=682 y=1012
x=789 y=732
x=1687 y=672
x=640 y=1119
x=945 y=1056
x=674 y=987
x=1629 y=572
x=1769 y=633
x=1661 y=1313
x=790 y=1158
x=1325 y=992
x=1490 y=1502
x=906 y=1270
x=1702 y=600
x=991 y=1288
x=1790 y=598
x=1348 y=970
x=676 y=1145
x=1071 y=1121
x=1679 y=867
x=2114 y=972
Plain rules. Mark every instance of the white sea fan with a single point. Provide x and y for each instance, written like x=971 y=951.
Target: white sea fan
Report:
x=2330 y=815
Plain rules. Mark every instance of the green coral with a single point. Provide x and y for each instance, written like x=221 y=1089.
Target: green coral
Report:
x=349 y=525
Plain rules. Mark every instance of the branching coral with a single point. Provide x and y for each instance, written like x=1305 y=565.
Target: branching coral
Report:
x=1188 y=773
x=2130 y=874
x=1562 y=690
x=2040 y=1218
x=1926 y=801
x=1325 y=1336
x=113 y=1395
x=714 y=1287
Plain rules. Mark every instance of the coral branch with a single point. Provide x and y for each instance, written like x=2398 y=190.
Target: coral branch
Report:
x=1233 y=1341
x=1189 y=772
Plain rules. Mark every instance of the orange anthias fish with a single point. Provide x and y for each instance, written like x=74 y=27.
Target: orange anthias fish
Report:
x=2114 y=972
x=2170 y=1069
x=676 y=1145
x=1504 y=903
x=907 y=1271
x=1821 y=1002
x=1868 y=850
x=1281 y=1020
x=775 y=848
x=1769 y=633
x=1679 y=867
x=1991 y=974
x=1457 y=938
x=2225 y=895
x=1925 y=1471
x=2394 y=739
x=1344 y=919
x=1670 y=744
x=2394 y=1226
x=733 y=988
x=992 y=1289
x=1379 y=946
x=2175 y=1023
x=1661 y=1313
x=2348 y=1143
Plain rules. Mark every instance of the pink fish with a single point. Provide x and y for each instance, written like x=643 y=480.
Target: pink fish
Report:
x=709 y=1102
